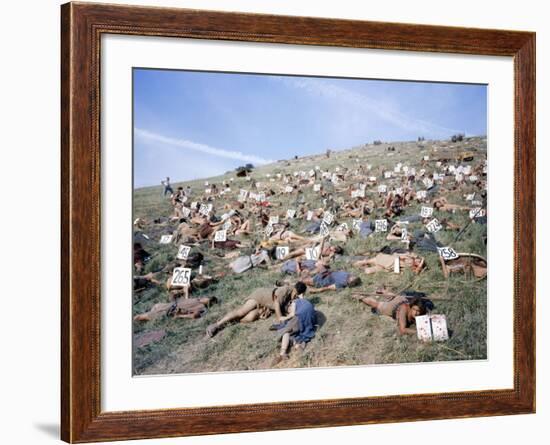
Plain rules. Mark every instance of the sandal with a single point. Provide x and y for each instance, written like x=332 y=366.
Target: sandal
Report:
x=212 y=330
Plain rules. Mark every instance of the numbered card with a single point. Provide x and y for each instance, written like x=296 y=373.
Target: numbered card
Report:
x=165 y=239
x=433 y=226
x=356 y=224
x=186 y=211
x=404 y=235
x=342 y=227
x=387 y=175
x=181 y=277
x=268 y=230
x=406 y=169
x=337 y=169
x=220 y=236
x=413 y=171
x=426 y=158
x=477 y=203
x=204 y=210
x=473 y=178
x=426 y=212
x=328 y=218
x=477 y=212
x=324 y=230
x=438 y=164
x=312 y=253
x=274 y=219
x=470 y=197
x=334 y=178
x=258 y=185
x=183 y=252
x=206 y=184
x=397 y=169
x=194 y=204
x=208 y=191
x=422 y=172
x=317 y=187
x=399 y=191
x=309 y=215
x=288 y=189
x=428 y=183
x=381 y=225
x=452 y=168
x=312 y=172
x=459 y=178
x=227 y=225
x=290 y=213
x=421 y=194
x=372 y=178
x=260 y=197
x=281 y=252
x=447 y=253
x=382 y=189
x=362 y=186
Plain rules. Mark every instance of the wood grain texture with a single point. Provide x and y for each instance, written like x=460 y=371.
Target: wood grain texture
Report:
x=81 y=28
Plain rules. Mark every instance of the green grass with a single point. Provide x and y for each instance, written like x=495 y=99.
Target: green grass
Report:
x=350 y=333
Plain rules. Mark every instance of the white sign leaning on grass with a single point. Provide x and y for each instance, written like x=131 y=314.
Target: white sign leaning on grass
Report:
x=165 y=239
x=313 y=253
x=381 y=225
x=477 y=212
x=220 y=236
x=290 y=213
x=281 y=252
x=426 y=212
x=181 y=277
x=447 y=253
x=434 y=226
x=432 y=327
x=324 y=230
x=183 y=252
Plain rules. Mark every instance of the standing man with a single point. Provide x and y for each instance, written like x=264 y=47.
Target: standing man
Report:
x=167 y=186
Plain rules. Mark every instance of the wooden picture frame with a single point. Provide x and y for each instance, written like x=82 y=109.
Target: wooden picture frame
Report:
x=82 y=26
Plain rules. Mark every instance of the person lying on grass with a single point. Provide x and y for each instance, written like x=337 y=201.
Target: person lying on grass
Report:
x=385 y=262
x=328 y=280
x=296 y=329
x=181 y=308
x=400 y=308
x=260 y=304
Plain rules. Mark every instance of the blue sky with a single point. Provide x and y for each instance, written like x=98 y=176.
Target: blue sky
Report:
x=190 y=125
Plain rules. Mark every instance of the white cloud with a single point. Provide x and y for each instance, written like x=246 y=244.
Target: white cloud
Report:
x=367 y=104
x=203 y=148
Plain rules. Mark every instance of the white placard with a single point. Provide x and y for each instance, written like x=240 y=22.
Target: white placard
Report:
x=243 y=194
x=388 y=175
x=473 y=178
x=428 y=183
x=404 y=235
x=181 y=277
x=324 y=230
x=459 y=178
x=477 y=212
x=274 y=219
x=328 y=218
x=317 y=187
x=208 y=191
x=312 y=172
x=421 y=194
x=290 y=213
x=220 y=236
x=309 y=215
x=268 y=230
x=470 y=197
x=183 y=252
x=227 y=225
x=433 y=226
x=381 y=225
x=312 y=253
x=382 y=188
x=426 y=158
x=399 y=191
x=165 y=239
x=447 y=253
x=356 y=225
x=289 y=189
x=281 y=252
x=186 y=211
x=426 y=212
x=204 y=210
x=432 y=327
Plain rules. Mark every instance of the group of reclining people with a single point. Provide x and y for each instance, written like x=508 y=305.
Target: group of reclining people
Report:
x=294 y=314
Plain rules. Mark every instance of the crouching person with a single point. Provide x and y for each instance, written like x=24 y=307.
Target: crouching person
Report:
x=297 y=329
x=260 y=304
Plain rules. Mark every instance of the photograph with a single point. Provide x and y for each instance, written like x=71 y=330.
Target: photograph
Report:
x=292 y=221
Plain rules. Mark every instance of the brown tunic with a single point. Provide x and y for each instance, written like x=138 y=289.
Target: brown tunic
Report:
x=264 y=296
x=389 y=307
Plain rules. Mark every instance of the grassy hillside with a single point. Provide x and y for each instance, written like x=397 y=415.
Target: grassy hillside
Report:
x=349 y=334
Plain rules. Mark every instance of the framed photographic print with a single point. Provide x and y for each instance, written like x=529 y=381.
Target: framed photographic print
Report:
x=276 y=222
